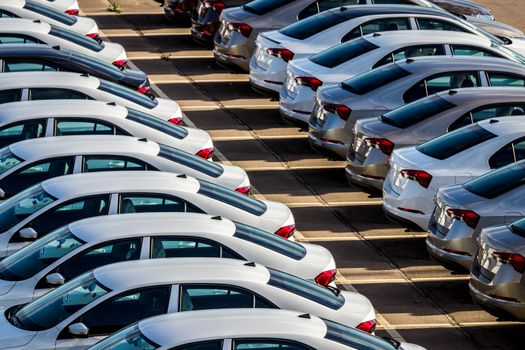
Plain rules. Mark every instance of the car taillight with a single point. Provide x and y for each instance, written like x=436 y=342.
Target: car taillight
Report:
x=175 y=120
x=205 y=153
x=468 y=216
x=515 y=260
x=326 y=277
x=72 y=12
x=93 y=36
x=422 y=177
x=218 y=6
x=242 y=28
x=386 y=146
x=367 y=326
x=244 y=190
x=342 y=111
x=286 y=231
x=284 y=54
x=120 y=63
x=145 y=90
x=311 y=82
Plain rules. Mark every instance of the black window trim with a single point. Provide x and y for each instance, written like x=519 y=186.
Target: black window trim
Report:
x=262 y=339
x=194 y=238
x=347 y=37
x=116 y=129
x=391 y=54
x=147 y=166
x=480 y=108
x=23 y=36
x=502 y=149
x=162 y=195
x=489 y=72
x=197 y=343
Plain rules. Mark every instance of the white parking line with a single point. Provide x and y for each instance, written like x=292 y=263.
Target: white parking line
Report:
x=367 y=237
x=448 y=325
x=401 y=280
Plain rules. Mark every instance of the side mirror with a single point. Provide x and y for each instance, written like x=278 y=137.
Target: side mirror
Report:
x=79 y=330
x=55 y=279
x=28 y=233
x=2 y=193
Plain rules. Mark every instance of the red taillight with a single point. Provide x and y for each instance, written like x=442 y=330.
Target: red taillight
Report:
x=175 y=120
x=145 y=90
x=284 y=54
x=242 y=28
x=367 y=326
x=72 y=12
x=515 y=260
x=422 y=177
x=244 y=190
x=311 y=82
x=342 y=111
x=386 y=146
x=468 y=216
x=120 y=63
x=286 y=231
x=326 y=277
x=205 y=153
x=218 y=6
x=93 y=36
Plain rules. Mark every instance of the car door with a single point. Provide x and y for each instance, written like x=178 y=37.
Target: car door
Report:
x=19 y=131
x=441 y=82
x=154 y=203
x=85 y=126
x=188 y=247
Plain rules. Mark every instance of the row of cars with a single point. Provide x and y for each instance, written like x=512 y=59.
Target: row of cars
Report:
x=426 y=106
x=112 y=212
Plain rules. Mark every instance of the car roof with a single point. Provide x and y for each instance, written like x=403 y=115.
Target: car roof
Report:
x=108 y=227
x=456 y=63
x=13 y=3
x=411 y=37
x=367 y=10
x=52 y=147
x=118 y=181
x=230 y=323
x=182 y=270
x=505 y=126
x=47 y=79
x=20 y=25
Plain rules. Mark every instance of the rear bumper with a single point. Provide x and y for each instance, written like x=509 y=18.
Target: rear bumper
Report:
x=411 y=220
x=327 y=148
x=265 y=88
x=451 y=261
x=199 y=37
x=357 y=173
x=294 y=117
x=232 y=55
x=497 y=306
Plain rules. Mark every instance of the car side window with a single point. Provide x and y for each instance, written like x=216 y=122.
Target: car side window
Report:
x=435 y=24
x=392 y=2
x=12 y=66
x=206 y=345
x=18 y=39
x=487 y=112
x=181 y=247
x=503 y=79
x=205 y=297
x=123 y=310
x=137 y=203
x=411 y=51
x=441 y=82
x=378 y=25
x=11 y=95
x=269 y=344
x=37 y=94
x=7 y=14
x=112 y=163
x=511 y=153
x=36 y=172
x=77 y=126
x=323 y=5
x=466 y=50
x=30 y=129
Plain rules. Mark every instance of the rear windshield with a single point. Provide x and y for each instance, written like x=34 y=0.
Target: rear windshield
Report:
x=498 y=182
x=157 y=124
x=191 y=161
x=341 y=53
x=306 y=289
x=78 y=39
x=312 y=25
x=97 y=65
x=373 y=79
x=416 y=112
x=271 y=241
x=354 y=338
x=222 y=194
x=455 y=142
x=128 y=94
x=260 y=7
x=50 y=12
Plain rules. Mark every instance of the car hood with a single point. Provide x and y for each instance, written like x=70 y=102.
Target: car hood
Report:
x=6 y=286
x=237 y=14
x=497 y=28
x=85 y=26
x=11 y=336
x=135 y=78
x=501 y=238
x=112 y=52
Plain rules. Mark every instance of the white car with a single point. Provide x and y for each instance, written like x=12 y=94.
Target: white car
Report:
x=344 y=61
x=37 y=160
x=87 y=244
x=67 y=6
x=416 y=173
x=242 y=329
x=30 y=9
x=26 y=31
x=59 y=201
x=31 y=86
x=115 y=296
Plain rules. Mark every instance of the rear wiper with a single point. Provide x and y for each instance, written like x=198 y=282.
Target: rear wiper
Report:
x=334 y=290
x=396 y=344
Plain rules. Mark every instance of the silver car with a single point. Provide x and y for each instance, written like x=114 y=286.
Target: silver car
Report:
x=462 y=211
x=496 y=275
x=420 y=121
x=383 y=89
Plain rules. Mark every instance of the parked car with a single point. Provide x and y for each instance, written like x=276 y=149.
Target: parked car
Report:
x=464 y=8
x=246 y=329
x=41 y=159
x=33 y=86
x=497 y=270
x=112 y=297
x=59 y=201
x=463 y=210
x=67 y=6
x=179 y=11
x=383 y=89
x=45 y=118
x=417 y=173
x=87 y=244
x=420 y=121
x=25 y=31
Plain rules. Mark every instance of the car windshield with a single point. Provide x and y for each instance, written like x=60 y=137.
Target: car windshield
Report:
x=130 y=338
x=312 y=25
x=8 y=160
x=78 y=39
x=498 y=182
x=233 y=198
x=260 y=7
x=191 y=161
x=270 y=241
x=23 y=205
x=97 y=65
x=128 y=94
x=50 y=12
x=344 y=52
x=455 y=142
x=374 y=79
x=157 y=124
x=354 y=338
x=59 y=304
x=38 y=255
x=417 y=111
